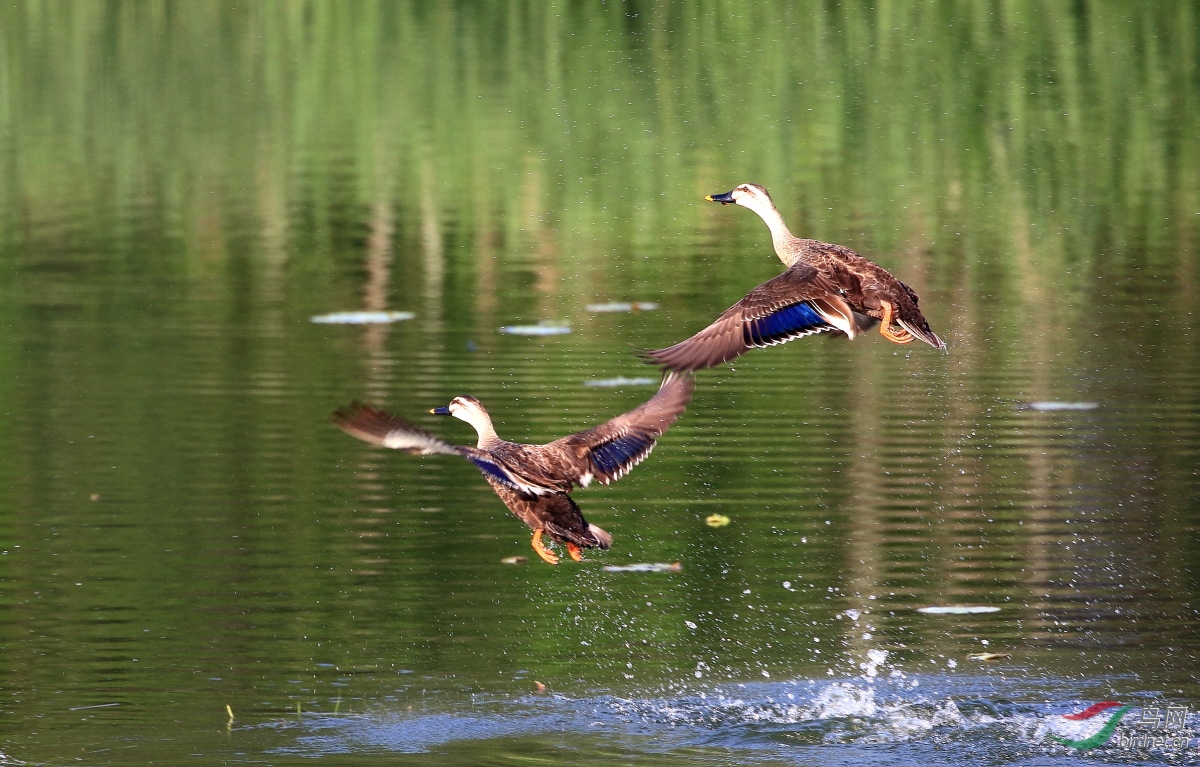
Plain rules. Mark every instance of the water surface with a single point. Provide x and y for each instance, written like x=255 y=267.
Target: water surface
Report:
x=183 y=534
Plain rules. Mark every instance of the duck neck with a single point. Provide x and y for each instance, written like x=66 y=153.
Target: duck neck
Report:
x=487 y=435
x=781 y=236
x=483 y=427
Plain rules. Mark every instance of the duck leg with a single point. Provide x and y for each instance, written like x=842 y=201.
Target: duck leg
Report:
x=546 y=554
x=895 y=335
x=575 y=552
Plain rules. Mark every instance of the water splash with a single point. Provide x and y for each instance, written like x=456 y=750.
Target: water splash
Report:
x=945 y=719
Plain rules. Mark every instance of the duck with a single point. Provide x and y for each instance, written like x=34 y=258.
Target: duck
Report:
x=825 y=288
x=535 y=481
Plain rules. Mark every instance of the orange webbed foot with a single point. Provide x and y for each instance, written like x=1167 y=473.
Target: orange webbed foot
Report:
x=895 y=335
x=546 y=554
x=575 y=552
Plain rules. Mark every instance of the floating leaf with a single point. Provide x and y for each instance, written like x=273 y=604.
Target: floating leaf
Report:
x=623 y=306
x=361 y=318
x=645 y=567
x=613 y=383
x=958 y=610
x=716 y=520
x=1049 y=406
x=541 y=329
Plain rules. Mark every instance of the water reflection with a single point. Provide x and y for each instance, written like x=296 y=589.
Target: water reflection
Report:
x=185 y=189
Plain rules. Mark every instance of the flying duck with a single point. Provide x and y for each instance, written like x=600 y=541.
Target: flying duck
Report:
x=825 y=287
x=534 y=480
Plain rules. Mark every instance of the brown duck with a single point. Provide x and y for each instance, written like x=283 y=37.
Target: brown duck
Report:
x=534 y=480
x=824 y=288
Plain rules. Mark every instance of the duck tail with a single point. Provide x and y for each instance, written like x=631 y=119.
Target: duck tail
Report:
x=923 y=333
x=603 y=539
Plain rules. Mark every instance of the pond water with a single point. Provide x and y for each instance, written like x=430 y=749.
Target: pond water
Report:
x=195 y=565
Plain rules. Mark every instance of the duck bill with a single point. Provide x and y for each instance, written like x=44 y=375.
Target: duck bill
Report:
x=724 y=199
x=440 y=411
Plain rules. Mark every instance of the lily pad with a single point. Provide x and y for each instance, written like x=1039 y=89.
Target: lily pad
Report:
x=645 y=567
x=958 y=610
x=540 y=329
x=623 y=306
x=361 y=318
x=619 y=381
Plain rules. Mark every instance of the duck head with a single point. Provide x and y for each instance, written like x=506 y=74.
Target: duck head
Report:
x=757 y=199
x=471 y=410
x=750 y=196
x=464 y=408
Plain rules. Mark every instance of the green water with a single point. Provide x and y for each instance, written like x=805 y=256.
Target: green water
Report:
x=184 y=185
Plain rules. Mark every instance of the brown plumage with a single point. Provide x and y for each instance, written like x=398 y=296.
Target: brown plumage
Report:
x=534 y=480
x=826 y=287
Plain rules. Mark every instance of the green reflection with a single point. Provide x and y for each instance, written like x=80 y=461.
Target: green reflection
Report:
x=185 y=184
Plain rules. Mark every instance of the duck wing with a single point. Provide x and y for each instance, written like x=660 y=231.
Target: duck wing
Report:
x=607 y=452
x=797 y=303
x=381 y=428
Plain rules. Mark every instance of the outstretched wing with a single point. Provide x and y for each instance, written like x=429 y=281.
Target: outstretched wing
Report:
x=797 y=303
x=386 y=430
x=607 y=452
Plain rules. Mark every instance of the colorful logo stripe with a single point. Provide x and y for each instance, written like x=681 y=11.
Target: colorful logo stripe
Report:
x=1105 y=732
x=1092 y=710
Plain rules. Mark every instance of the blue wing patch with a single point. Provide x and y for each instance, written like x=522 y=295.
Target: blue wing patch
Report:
x=494 y=471
x=788 y=322
x=614 y=458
